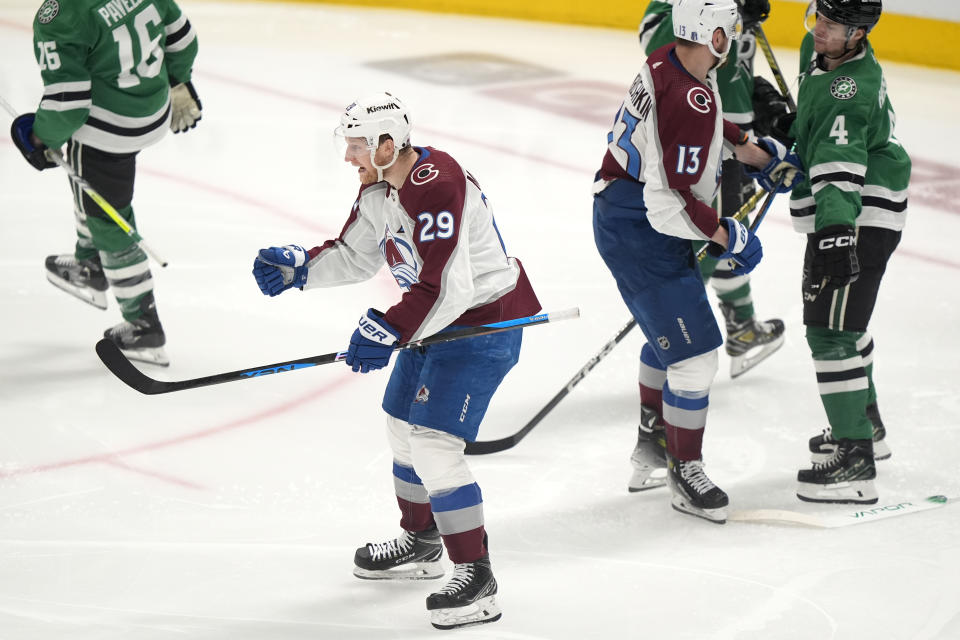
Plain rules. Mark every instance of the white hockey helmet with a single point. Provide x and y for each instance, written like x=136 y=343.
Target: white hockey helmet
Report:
x=696 y=20
x=372 y=117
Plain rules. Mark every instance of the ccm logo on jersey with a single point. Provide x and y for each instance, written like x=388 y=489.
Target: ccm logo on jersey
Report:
x=837 y=242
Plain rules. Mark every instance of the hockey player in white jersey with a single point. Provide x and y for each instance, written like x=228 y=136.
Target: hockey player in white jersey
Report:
x=420 y=212
x=652 y=195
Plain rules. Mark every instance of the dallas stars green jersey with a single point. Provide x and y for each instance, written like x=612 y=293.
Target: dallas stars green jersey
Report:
x=734 y=78
x=857 y=171
x=107 y=66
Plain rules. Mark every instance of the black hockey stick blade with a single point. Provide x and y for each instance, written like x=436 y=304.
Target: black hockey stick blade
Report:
x=122 y=368
x=494 y=446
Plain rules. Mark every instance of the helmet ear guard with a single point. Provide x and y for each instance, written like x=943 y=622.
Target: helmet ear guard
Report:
x=696 y=21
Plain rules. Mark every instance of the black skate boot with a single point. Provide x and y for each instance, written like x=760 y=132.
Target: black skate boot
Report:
x=649 y=457
x=470 y=598
x=749 y=342
x=141 y=339
x=694 y=492
x=83 y=279
x=823 y=445
x=411 y=556
x=847 y=477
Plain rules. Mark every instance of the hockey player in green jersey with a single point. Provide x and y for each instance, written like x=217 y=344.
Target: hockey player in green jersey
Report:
x=115 y=76
x=852 y=206
x=749 y=340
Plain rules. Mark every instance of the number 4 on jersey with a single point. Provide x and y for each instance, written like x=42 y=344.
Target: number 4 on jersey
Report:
x=839 y=130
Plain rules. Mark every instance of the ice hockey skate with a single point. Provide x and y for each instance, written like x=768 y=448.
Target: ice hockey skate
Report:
x=694 y=492
x=823 y=445
x=83 y=279
x=141 y=339
x=649 y=457
x=846 y=477
x=469 y=598
x=411 y=556
x=750 y=342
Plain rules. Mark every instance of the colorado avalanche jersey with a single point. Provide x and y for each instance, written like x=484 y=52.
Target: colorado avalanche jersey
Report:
x=438 y=236
x=669 y=135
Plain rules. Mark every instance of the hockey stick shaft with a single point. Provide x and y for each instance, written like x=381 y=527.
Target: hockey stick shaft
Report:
x=122 y=368
x=508 y=442
x=494 y=446
x=55 y=156
x=775 y=67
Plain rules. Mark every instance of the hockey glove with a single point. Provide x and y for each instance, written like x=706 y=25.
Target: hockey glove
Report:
x=830 y=261
x=768 y=107
x=743 y=247
x=278 y=268
x=185 y=107
x=371 y=344
x=29 y=145
x=784 y=163
x=753 y=12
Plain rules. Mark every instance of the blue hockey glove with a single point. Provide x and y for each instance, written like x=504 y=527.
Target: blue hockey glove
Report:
x=32 y=149
x=278 y=268
x=784 y=163
x=371 y=344
x=743 y=247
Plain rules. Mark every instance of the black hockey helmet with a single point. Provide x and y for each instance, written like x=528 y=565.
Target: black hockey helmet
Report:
x=852 y=13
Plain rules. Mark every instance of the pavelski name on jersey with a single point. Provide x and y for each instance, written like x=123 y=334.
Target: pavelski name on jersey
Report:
x=116 y=10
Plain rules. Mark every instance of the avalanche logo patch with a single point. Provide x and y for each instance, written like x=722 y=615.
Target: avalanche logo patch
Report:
x=700 y=99
x=48 y=11
x=399 y=256
x=843 y=88
x=422 y=395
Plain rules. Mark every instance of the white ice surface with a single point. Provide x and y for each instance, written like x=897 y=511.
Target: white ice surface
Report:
x=233 y=511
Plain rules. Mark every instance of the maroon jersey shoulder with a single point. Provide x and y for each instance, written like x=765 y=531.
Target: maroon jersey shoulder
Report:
x=436 y=183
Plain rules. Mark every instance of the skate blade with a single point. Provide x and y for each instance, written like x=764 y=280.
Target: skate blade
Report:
x=716 y=516
x=856 y=492
x=153 y=355
x=744 y=362
x=410 y=571
x=647 y=478
x=92 y=297
x=482 y=611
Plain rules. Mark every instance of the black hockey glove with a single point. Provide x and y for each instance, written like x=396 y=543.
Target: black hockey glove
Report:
x=768 y=107
x=781 y=128
x=753 y=12
x=32 y=149
x=185 y=107
x=830 y=261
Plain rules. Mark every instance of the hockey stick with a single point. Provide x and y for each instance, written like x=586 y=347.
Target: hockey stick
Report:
x=775 y=67
x=494 y=446
x=54 y=155
x=120 y=366
x=502 y=444
x=866 y=513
